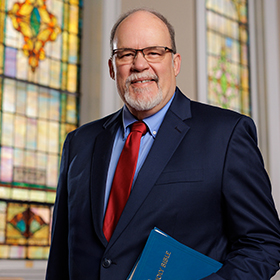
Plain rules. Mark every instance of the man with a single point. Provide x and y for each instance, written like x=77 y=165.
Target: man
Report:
x=200 y=176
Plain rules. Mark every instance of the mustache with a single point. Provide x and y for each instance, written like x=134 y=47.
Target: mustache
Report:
x=143 y=76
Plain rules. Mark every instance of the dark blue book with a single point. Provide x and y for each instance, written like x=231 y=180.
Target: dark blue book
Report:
x=167 y=259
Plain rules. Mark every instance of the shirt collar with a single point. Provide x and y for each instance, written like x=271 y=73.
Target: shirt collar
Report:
x=153 y=122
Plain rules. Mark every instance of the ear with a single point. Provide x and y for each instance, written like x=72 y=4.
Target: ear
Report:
x=176 y=63
x=111 y=69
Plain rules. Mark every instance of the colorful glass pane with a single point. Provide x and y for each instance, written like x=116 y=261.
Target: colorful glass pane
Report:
x=227 y=54
x=37 y=26
x=39 y=97
x=1 y=57
x=25 y=228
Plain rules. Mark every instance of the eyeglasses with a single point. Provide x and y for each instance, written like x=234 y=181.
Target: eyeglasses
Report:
x=151 y=54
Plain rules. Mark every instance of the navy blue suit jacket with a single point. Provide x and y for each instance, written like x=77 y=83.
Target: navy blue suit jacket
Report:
x=203 y=183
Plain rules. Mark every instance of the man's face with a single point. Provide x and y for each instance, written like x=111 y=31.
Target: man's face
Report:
x=145 y=87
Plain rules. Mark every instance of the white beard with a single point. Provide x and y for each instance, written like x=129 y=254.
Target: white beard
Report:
x=142 y=100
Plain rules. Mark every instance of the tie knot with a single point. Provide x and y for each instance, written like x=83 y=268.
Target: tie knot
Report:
x=139 y=127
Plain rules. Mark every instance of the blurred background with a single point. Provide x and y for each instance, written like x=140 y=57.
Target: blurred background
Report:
x=54 y=77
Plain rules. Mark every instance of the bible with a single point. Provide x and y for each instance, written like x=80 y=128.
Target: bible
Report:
x=165 y=258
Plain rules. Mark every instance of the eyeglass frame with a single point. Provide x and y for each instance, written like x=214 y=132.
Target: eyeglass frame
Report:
x=166 y=49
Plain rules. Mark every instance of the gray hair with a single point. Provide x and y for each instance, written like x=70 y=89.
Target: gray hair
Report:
x=157 y=14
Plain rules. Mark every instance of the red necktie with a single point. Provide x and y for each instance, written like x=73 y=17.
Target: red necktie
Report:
x=123 y=178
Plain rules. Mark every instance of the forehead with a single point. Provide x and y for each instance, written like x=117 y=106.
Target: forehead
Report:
x=141 y=29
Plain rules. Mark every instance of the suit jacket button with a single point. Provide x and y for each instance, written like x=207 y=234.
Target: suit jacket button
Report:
x=106 y=263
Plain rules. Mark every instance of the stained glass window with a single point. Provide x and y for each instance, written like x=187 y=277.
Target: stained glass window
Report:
x=228 y=54
x=39 y=90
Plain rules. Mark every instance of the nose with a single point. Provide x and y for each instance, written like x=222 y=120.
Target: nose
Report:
x=139 y=62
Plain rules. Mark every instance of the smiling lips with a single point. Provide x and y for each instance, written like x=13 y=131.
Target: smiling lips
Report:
x=141 y=81
x=141 y=78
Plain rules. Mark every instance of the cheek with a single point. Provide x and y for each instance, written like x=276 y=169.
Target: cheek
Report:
x=120 y=79
x=166 y=76
x=123 y=71
x=163 y=71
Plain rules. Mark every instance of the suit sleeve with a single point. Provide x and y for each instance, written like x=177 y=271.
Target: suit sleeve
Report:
x=251 y=221
x=58 y=258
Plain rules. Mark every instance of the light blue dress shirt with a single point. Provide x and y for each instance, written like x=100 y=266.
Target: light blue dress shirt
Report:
x=153 y=123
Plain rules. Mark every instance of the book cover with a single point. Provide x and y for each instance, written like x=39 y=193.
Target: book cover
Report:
x=164 y=258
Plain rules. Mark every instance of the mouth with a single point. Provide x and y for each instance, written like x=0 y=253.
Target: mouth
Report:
x=142 y=81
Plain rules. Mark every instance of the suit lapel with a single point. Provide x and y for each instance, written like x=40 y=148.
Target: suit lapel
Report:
x=159 y=155
x=100 y=163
